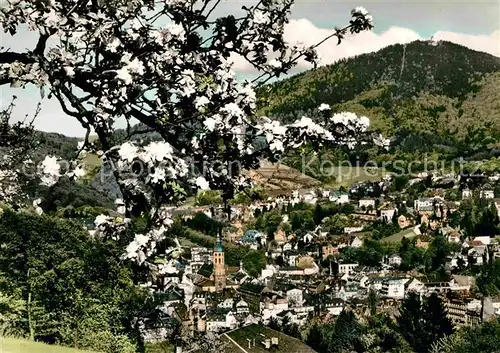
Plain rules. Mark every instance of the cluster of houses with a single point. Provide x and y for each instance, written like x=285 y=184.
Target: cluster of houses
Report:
x=206 y=295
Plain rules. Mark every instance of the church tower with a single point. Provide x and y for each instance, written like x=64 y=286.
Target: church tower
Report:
x=219 y=265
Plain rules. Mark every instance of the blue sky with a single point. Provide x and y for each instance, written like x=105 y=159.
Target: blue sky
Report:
x=471 y=23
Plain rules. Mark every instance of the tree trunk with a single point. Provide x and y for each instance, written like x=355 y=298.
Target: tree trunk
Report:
x=75 y=338
x=30 y=319
x=30 y=322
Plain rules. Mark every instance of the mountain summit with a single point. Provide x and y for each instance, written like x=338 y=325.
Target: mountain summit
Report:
x=422 y=86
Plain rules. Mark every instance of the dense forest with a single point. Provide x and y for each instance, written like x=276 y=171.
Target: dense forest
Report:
x=59 y=285
x=388 y=80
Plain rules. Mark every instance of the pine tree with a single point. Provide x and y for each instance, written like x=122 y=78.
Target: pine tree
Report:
x=319 y=337
x=274 y=324
x=410 y=321
x=437 y=323
x=487 y=225
x=423 y=323
x=346 y=334
x=372 y=301
x=318 y=214
x=315 y=338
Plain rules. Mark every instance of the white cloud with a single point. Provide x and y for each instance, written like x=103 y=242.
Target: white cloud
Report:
x=303 y=31
x=306 y=33
x=488 y=44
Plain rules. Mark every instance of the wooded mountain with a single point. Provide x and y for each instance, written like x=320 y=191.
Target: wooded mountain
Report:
x=423 y=86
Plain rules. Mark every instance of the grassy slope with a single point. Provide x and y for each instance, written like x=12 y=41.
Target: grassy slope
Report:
x=285 y=344
x=280 y=178
x=396 y=238
x=12 y=345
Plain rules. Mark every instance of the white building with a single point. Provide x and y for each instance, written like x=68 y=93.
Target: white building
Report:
x=484 y=240
x=295 y=296
x=216 y=324
x=423 y=204
x=376 y=283
x=359 y=279
x=477 y=253
x=310 y=198
x=357 y=242
x=453 y=238
x=268 y=272
x=393 y=288
x=466 y=194
x=270 y=309
x=487 y=194
x=292 y=259
x=367 y=203
x=201 y=255
x=242 y=307
x=346 y=269
x=349 y=230
x=414 y=285
x=287 y=247
x=335 y=306
x=395 y=260
x=387 y=214
x=226 y=304
x=339 y=197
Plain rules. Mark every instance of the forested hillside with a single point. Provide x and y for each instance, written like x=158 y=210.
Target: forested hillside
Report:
x=422 y=86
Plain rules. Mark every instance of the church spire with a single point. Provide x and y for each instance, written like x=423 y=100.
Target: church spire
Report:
x=219 y=264
x=218 y=244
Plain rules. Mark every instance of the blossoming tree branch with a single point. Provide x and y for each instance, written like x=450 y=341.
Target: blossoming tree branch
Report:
x=168 y=65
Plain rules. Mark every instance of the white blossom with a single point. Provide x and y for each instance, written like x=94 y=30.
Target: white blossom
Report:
x=324 y=107
x=131 y=67
x=275 y=63
x=100 y=220
x=124 y=75
x=259 y=17
x=361 y=10
x=201 y=102
x=210 y=124
x=177 y=31
x=113 y=45
x=70 y=71
x=158 y=151
x=79 y=172
x=202 y=183
x=50 y=171
x=128 y=151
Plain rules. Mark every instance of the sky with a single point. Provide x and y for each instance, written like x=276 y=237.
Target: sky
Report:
x=474 y=23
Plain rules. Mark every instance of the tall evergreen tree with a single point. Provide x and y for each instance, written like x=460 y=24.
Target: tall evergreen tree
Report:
x=318 y=214
x=436 y=322
x=346 y=334
x=410 y=321
x=372 y=301
x=423 y=323
x=315 y=339
x=487 y=225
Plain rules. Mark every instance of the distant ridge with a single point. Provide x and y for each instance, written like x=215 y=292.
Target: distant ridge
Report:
x=422 y=86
